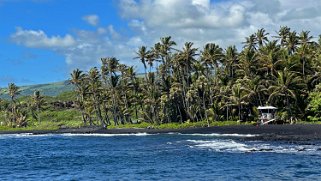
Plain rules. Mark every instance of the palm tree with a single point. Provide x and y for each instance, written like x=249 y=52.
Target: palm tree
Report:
x=305 y=38
x=238 y=97
x=166 y=44
x=151 y=98
x=231 y=60
x=247 y=63
x=283 y=34
x=285 y=89
x=142 y=55
x=150 y=60
x=13 y=91
x=134 y=85
x=109 y=69
x=182 y=85
x=184 y=62
x=38 y=101
x=21 y=120
x=186 y=59
x=292 y=42
x=115 y=90
x=95 y=91
x=203 y=87
x=250 y=42
x=211 y=56
x=78 y=79
x=255 y=90
x=269 y=57
x=304 y=53
x=261 y=37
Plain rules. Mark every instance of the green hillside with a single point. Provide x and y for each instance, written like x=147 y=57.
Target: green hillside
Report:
x=50 y=89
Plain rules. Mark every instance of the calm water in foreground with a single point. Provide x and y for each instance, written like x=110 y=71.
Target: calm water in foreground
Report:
x=155 y=157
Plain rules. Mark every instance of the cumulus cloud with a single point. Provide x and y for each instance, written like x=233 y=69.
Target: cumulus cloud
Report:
x=200 y=21
x=222 y=22
x=183 y=13
x=82 y=50
x=91 y=19
x=39 y=39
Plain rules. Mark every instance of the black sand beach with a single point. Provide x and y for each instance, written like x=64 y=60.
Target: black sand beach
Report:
x=297 y=132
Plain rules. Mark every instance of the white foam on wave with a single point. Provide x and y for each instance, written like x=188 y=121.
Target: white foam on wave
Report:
x=216 y=135
x=229 y=145
x=105 y=135
x=27 y=135
x=220 y=145
x=225 y=135
x=23 y=135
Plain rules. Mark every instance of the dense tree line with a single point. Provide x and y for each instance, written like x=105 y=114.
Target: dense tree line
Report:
x=190 y=85
x=16 y=112
x=38 y=111
x=212 y=84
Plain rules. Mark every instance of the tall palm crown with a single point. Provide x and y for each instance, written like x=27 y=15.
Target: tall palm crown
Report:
x=231 y=60
x=187 y=56
x=292 y=42
x=269 y=56
x=305 y=38
x=77 y=77
x=261 y=36
x=286 y=84
x=166 y=45
x=212 y=55
x=250 y=42
x=142 y=55
x=13 y=90
x=283 y=34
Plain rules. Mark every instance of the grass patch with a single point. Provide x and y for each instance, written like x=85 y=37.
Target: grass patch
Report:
x=50 y=120
x=54 y=119
x=178 y=125
x=128 y=125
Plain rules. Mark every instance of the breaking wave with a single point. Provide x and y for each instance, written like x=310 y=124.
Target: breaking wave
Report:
x=106 y=135
x=225 y=135
x=23 y=135
x=233 y=146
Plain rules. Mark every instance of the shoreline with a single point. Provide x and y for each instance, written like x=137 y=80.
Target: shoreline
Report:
x=296 y=132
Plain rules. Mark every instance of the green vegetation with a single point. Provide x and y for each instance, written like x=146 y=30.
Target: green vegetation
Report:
x=52 y=89
x=185 y=87
x=189 y=85
x=41 y=113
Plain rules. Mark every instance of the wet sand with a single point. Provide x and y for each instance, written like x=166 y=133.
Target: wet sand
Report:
x=297 y=132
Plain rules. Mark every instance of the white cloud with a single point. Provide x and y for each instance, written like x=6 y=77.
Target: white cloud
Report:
x=135 y=42
x=91 y=19
x=82 y=50
x=200 y=21
x=223 y=22
x=39 y=39
x=112 y=32
x=183 y=13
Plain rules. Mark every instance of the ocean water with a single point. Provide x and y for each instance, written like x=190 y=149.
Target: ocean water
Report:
x=155 y=157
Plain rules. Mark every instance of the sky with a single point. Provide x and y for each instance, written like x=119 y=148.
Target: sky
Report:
x=42 y=41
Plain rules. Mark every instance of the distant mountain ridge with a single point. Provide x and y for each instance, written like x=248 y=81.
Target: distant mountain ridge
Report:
x=50 y=89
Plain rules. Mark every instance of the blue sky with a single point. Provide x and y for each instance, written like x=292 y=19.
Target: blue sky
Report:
x=42 y=41
x=29 y=65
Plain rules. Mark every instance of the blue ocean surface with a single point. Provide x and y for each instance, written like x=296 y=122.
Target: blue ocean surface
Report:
x=155 y=157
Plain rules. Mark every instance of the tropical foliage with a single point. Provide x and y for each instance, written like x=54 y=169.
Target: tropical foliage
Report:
x=190 y=85
x=213 y=84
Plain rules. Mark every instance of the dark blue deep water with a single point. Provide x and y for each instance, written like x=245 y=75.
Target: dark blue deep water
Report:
x=155 y=157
